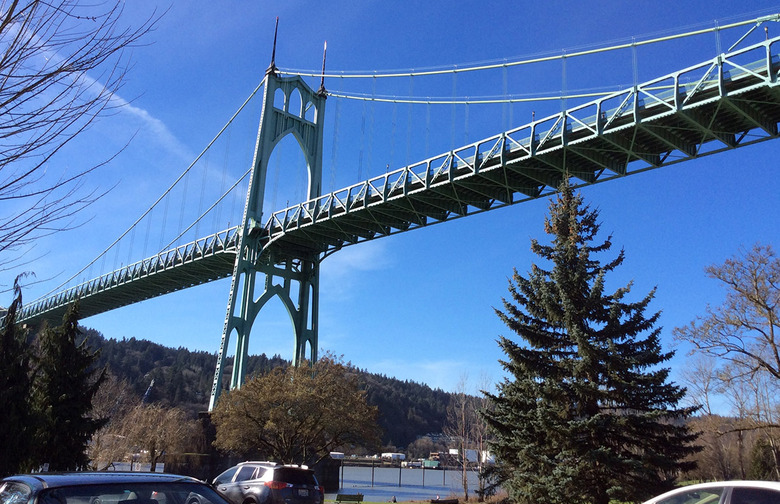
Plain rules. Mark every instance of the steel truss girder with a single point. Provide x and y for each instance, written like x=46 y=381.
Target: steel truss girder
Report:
x=661 y=122
x=204 y=260
x=730 y=101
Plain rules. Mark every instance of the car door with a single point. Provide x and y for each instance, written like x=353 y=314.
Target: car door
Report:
x=235 y=488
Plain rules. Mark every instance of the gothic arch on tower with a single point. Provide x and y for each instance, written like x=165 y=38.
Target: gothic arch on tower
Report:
x=290 y=107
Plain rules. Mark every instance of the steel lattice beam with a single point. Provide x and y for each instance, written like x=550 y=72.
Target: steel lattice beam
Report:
x=720 y=104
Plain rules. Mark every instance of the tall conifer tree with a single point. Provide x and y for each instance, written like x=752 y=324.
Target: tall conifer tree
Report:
x=15 y=387
x=587 y=413
x=66 y=382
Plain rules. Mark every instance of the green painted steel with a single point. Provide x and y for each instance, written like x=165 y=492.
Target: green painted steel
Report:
x=202 y=261
x=285 y=270
x=728 y=102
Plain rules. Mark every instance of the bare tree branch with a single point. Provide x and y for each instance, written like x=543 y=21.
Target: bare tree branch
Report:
x=738 y=343
x=61 y=64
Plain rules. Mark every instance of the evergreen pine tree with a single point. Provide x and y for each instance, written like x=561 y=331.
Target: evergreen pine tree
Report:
x=15 y=387
x=66 y=382
x=587 y=413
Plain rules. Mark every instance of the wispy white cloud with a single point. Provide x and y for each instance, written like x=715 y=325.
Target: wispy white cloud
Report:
x=154 y=129
x=340 y=271
x=157 y=131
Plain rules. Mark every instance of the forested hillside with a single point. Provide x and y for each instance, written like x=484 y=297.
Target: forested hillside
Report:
x=183 y=378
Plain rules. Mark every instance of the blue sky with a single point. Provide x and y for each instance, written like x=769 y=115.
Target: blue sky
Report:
x=418 y=305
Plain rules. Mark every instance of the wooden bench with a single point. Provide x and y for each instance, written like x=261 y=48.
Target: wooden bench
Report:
x=349 y=497
x=444 y=501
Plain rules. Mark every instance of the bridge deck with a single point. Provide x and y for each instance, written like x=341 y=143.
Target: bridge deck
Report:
x=199 y=262
x=728 y=102
x=708 y=108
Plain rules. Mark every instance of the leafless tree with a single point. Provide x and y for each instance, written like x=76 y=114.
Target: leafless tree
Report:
x=61 y=63
x=158 y=430
x=744 y=330
x=114 y=401
x=463 y=426
x=481 y=435
x=741 y=338
x=701 y=382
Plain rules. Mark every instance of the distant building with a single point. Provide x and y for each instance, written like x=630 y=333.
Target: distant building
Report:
x=393 y=456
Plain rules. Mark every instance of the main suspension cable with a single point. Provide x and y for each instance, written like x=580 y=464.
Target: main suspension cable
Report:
x=504 y=63
x=465 y=100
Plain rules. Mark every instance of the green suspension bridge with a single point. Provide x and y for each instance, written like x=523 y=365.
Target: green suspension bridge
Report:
x=731 y=100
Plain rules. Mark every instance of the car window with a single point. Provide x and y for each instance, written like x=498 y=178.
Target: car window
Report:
x=225 y=477
x=701 y=496
x=294 y=476
x=754 y=496
x=245 y=473
x=12 y=492
x=132 y=493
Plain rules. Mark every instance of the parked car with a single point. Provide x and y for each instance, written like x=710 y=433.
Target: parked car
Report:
x=722 y=492
x=106 y=488
x=269 y=483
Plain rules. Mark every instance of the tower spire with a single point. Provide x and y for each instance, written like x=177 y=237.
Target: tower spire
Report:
x=272 y=67
x=321 y=91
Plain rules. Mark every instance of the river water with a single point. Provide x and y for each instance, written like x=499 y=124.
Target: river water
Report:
x=381 y=484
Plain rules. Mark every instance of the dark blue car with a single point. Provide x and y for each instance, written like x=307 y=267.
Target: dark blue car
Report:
x=106 y=488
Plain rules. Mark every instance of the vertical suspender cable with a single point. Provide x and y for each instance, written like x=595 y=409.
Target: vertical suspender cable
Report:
x=202 y=195
x=371 y=130
x=392 y=136
x=505 y=106
x=116 y=257
x=303 y=161
x=183 y=201
x=466 y=124
x=277 y=173
x=164 y=222
x=362 y=143
x=717 y=38
x=511 y=115
x=452 y=121
x=148 y=229
x=427 y=128
x=335 y=147
x=130 y=247
x=408 y=159
x=563 y=110
x=563 y=82
x=217 y=216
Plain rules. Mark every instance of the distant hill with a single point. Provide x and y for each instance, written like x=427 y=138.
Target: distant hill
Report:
x=407 y=410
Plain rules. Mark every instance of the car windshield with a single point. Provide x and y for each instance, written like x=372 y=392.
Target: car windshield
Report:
x=132 y=493
x=225 y=477
x=14 y=493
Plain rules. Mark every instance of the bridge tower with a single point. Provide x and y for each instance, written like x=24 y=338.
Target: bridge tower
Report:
x=292 y=275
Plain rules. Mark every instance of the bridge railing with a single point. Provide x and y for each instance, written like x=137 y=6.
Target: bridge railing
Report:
x=683 y=92
x=223 y=241
x=686 y=89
